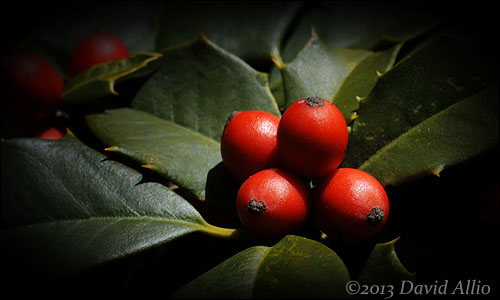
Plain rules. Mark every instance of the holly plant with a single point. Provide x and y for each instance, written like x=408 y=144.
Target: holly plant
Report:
x=136 y=200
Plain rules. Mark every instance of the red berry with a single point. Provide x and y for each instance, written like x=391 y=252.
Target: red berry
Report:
x=248 y=143
x=50 y=133
x=350 y=205
x=34 y=88
x=312 y=137
x=94 y=49
x=272 y=203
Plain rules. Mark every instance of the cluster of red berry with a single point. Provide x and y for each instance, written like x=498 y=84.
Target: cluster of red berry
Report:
x=35 y=87
x=275 y=158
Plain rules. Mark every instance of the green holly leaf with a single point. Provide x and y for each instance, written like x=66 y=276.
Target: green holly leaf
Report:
x=318 y=70
x=66 y=208
x=200 y=84
x=455 y=134
x=295 y=267
x=100 y=80
x=360 y=81
x=371 y=26
x=344 y=76
x=134 y=23
x=384 y=267
x=350 y=25
x=414 y=123
x=180 y=154
x=248 y=30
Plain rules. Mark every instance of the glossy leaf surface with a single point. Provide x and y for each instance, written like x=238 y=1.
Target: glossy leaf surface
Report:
x=295 y=267
x=68 y=208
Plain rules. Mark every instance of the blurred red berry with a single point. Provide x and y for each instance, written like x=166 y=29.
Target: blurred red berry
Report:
x=51 y=133
x=34 y=89
x=96 y=48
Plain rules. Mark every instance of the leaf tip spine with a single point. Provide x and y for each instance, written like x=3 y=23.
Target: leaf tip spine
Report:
x=203 y=35
x=314 y=34
x=277 y=60
x=379 y=74
x=69 y=132
x=393 y=241
x=353 y=117
x=111 y=149
x=359 y=99
x=148 y=166
x=112 y=87
x=437 y=171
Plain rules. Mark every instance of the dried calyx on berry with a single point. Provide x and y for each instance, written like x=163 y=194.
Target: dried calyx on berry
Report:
x=346 y=216
x=256 y=208
x=314 y=101
x=273 y=202
x=375 y=216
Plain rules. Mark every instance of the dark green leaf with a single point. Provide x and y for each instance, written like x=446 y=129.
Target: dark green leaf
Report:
x=384 y=267
x=200 y=84
x=67 y=208
x=318 y=70
x=276 y=86
x=246 y=29
x=350 y=25
x=358 y=84
x=440 y=73
x=456 y=134
x=99 y=81
x=178 y=153
x=233 y=278
x=295 y=267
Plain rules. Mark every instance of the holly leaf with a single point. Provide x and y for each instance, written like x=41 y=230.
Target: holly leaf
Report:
x=384 y=267
x=247 y=29
x=360 y=81
x=66 y=208
x=373 y=26
x=318 y=70
x=100 y=80
x=295 y=267
x=412 y=123
x=350 y=25
x=200 y=84
x=181 y=155
x=454 y=135
x=134 y=23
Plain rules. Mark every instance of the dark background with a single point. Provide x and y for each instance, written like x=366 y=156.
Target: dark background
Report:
x=448 y=224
